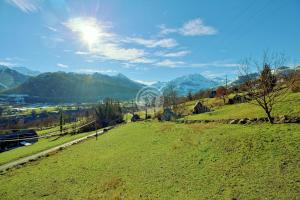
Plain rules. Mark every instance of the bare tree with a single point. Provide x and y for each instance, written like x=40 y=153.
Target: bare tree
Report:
x=221 y=93
x=170 y=95
x=147 y=105
x=271 y=86
x=189 y=96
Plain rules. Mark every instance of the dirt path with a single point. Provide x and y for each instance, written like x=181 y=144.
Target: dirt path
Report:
x=47 y=152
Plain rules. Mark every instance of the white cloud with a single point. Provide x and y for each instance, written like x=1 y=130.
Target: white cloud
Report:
x=197 y=27
x=62 y=65
x=26 y=6
x=194 y=27
x=231 y=65
x=12 y=61
x=103 y=43
x=145 y=82
x=7 y=63
x=128 y=65
x=51 y=28
x=82 y=53
x=181 y=64
x=174 y=54
x=152 y=43
x=115 y=52
x=91 y=71
x=216 y=64
x=169 y=63
x=221 y=76
x=143 y=60
x=164 y=30
x=211 y=74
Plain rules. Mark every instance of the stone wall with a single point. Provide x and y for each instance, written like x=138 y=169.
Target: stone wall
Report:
x=278 y=120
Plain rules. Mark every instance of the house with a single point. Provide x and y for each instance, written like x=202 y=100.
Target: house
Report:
x=200 y=108
x=16 y=139
x=213 y=94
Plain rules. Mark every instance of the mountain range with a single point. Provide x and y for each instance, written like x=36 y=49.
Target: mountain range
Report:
x=26 y=71
x=10 y=78
x=60 y=87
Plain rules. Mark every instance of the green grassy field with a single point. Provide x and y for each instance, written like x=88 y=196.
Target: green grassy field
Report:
x=290 y=106
x=42 y=144
x=151 y=160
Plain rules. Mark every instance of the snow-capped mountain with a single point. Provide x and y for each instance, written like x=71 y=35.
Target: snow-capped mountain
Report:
x=189 y=83
x=26 y=71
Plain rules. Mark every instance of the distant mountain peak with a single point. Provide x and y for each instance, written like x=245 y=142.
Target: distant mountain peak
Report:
x=26 y=71
x=22 y=70
x=188 y=83
x=10 y=78
x=120 y=75
x=2 y=67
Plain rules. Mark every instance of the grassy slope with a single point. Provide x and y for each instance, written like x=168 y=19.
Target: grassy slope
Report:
x=290 y=106
x=57 y=128
x=168 y=161
x=42 y=144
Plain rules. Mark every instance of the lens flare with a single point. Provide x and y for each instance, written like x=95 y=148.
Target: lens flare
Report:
x=89 y=30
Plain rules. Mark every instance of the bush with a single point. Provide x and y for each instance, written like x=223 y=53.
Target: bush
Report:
x=158 y=116
x=135 y=118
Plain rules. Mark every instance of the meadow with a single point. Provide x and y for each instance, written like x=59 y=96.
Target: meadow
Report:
x=288 y=106
x=42 y=144
x=152 y=160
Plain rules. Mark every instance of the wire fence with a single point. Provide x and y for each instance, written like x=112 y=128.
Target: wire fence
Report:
x=31 y=128
x=46 y=135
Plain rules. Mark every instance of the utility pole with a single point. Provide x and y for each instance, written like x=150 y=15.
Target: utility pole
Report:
x=226 y=82
x=96 y=134
x=61 y=121
x=75 y=126
x=132 y=108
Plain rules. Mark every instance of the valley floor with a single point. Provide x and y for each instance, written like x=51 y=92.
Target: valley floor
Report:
x=151 y=160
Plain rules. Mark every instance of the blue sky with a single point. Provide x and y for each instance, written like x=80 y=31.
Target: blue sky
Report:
x=146 y=40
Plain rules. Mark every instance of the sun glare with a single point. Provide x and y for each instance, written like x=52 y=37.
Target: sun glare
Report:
x=89 y=34
x=88 y=29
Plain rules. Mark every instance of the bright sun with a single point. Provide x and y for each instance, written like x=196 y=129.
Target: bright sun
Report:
x=88 y=29
x=89 y=34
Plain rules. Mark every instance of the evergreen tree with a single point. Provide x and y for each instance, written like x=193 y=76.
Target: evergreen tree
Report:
x=61 y=121
x=108 y=113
